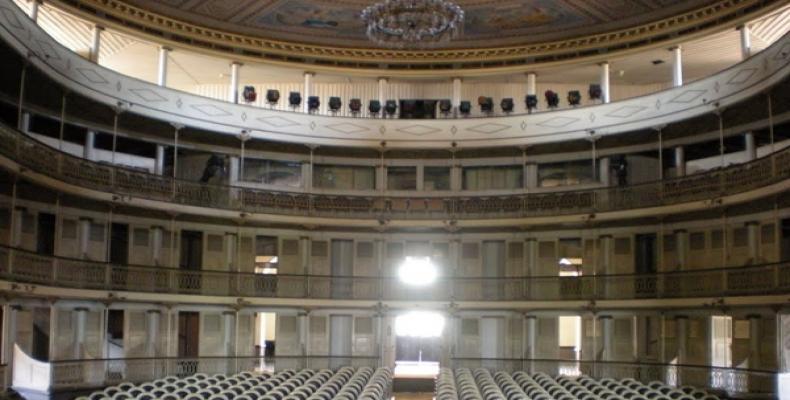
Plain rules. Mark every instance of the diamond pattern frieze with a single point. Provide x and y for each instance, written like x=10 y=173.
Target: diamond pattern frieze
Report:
x=626 y=111
x=11 y=19
x=488 y=128
x=92 y=76
x=688 y=96
x=148 y=95
x=210 y=110
x=742 y=76
x=783 y=52
x=558 y=122
x=418 y=130
x=48 y=50
x=347 y=128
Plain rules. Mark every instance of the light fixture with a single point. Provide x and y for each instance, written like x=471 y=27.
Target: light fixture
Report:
x=417 y=271
x=419 y=324
x=412 y=23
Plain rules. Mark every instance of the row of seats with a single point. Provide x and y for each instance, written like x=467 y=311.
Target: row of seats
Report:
x=347 y=383
x=480 y=384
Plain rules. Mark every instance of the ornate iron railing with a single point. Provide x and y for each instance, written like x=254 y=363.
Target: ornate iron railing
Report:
x=26 y=267
x=731 y=381
x=43 y=159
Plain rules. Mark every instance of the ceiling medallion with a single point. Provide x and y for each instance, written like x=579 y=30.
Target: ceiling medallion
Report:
x=413 y=23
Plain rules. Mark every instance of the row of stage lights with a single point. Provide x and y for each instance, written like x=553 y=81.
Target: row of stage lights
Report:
x=390 y=107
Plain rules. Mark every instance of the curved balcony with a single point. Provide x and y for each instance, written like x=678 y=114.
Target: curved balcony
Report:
x=80 y=76
x=24 y=267
x=741 y=182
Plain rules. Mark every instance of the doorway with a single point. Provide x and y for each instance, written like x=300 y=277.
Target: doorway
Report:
x=45 y=244
x=418 y=344
x=188 y=334
x=41 y=322
x=115 y=324
x=191 y=250
x=645 y=264
x=119 y=244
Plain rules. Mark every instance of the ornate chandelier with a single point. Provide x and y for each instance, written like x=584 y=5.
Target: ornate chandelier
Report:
x=413 y=23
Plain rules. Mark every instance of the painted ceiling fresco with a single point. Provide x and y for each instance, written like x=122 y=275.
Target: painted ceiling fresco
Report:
x=489 y=23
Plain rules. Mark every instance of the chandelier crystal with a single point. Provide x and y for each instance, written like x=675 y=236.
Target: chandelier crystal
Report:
x=413 y=23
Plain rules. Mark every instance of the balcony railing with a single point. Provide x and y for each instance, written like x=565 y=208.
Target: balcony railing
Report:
x=732 y=381
x=43 y=159
x=26 y=267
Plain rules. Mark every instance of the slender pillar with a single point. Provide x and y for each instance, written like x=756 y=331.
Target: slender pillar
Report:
x=230 y=251
x=456 y=93
x=159 y=162
x=746 y=41
x=531 y=343
x=164 y=53
x=157 y=236
x=229 y=333
x=681 y=335
x=24 y=123
x=605 y=97
x=85 y=233
x=677 y=66
x=755 y=341
x=532 y=88
x=152 y=337
x=607 y=250
x=34 y=9
x=303 y=318
x=234 y=169
x=308 y=89
x=456 y=177
x=680 y=161
x=96 y=44
x=751 y=147
x=607 y=337
x=88 y=151
x=752 y=234
x=16 y=234
x=603 y=171
x=9 y=332
x=304 y=251
x=531 y=170
x=80 y=320
x=681 y=247
x=233 y=94
x=383 y=90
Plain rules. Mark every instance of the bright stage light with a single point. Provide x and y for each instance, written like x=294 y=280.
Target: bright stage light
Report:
x=417 y=271
x=419 y=324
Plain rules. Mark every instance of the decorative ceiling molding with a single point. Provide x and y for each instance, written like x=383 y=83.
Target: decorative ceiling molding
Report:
x=122 y=16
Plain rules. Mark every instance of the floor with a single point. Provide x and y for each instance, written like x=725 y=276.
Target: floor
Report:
x=412 y=396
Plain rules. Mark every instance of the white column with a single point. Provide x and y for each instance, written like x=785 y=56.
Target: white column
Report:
x=751 y=147
x=159 y=163
x=24 y=122
x=531 y=170
x=9 y=332
x=746 y=41
x=382 y=91
x=681 y=335
x=304 y=251
x=19 y=213
x=85 y=233
x=752 y=234
x=234 y=169
x=677 y=66
x=152 y=336
x=34 y=8
x=681 y=247
x=229 y=333
x=531 y=342
x=456 y=92
x=96 y=44
x=164 y=53
x=303 y=318
x=233 y=94
x=308 y=89
x=607 y=337
x=680 y=161
x=456 y=177
x=605 y=97
x=606 y=254
x=532 y=88
x=157 y=235
x=88 y=151
x=80 y=320
x=604 y=175
x=231 y=251
x=755 y=341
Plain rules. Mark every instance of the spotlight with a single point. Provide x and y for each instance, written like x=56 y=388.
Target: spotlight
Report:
x=391 y=107
x=249 y=94
x=445 y=106
x=507 y=105
x=335 y=104
x=417 y=271
x=355 y=105
x=374 y=107
x=313 y=103
x=574 y=98
x=532 y=102
x=465 y=108
x=272 y=96
x=486 y=104
x=294 y=99
x=552 y=99
x=595 y=91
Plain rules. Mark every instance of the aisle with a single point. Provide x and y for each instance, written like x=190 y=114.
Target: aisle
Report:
x=412 y=396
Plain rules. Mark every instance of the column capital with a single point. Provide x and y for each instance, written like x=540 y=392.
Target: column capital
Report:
x=157 y=227
x=237 y=63
x=676 y=47
x=153 y=311
x=605 y=236
x=79 y=309
x=229 y=313
x=605 y=317
x=602 y=63
x=681 y=317
x=533 y=73
x=309 y=73
x=382 y=78
x=98 y=27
